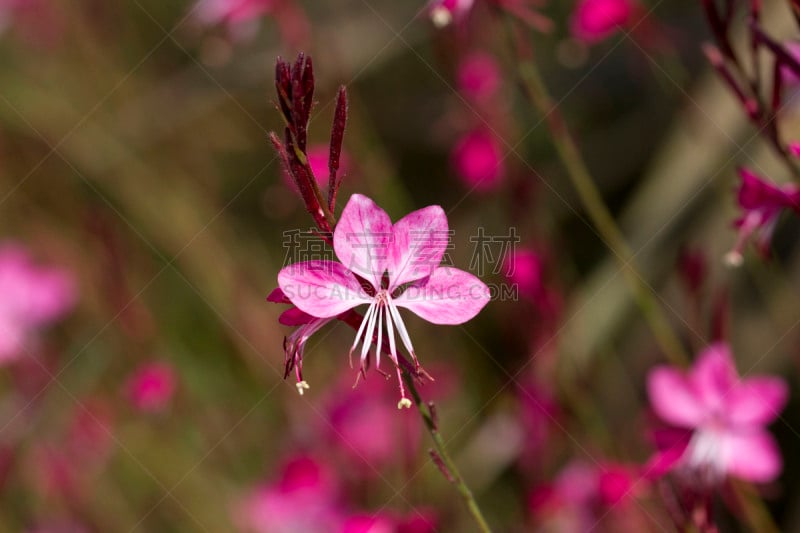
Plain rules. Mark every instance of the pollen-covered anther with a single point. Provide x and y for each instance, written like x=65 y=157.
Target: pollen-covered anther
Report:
x=302 y=387
x=404 y=403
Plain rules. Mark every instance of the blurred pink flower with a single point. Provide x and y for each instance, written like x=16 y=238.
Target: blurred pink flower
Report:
x=241 y=18
x=445 y=12
x=417 y=521
x=583 y=494
x=303 y=500
x=366 y=431
x=479 y=77
x=152 y=386
x=724 y=419
x=761 y=203
x=31 y=297
x=407 y=254
x=231 y=12
x=478 y=160
x=594 y=20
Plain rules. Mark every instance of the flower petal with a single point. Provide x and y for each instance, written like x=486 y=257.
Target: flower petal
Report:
x=295 y=317
x=448 y=296
x=714 y=375
x=757 y=401
x=362 y=238
x=753 y=456
x=419 y=241
x=321 y=288
x=674 y=398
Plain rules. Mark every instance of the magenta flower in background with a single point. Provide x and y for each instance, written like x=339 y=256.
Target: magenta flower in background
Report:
x=478 y=160
x=761 y=203
x=152 y=386
x=723 y=418
x=583 y=494
x=416 y=521
x=594 y=20
x=318 y=160
x=232 y=13
x=479 y=77
x=399 y=266
x=31 y=297
x=304 y=500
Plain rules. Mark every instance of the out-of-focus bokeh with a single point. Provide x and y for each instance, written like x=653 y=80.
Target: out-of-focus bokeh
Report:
x=144 y=217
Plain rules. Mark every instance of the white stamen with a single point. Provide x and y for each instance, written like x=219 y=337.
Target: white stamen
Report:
x=380 y=339
x=362 y=326
x=390 y=334
x=302 y=386
x=401 y=328
x=369 y=333
x=405 y=402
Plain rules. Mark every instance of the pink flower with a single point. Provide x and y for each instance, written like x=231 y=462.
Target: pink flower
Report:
x=231 y=12
x=303 y=500
x=583 y=494
x=478 y=160
x=594 y=20
x=724 y=415
x=32 y=298
x=762 y=203
x=479 y=77
x=152 y=386
x=369 y=437
x=445 y=12
x=417 y=521
x=399 y=266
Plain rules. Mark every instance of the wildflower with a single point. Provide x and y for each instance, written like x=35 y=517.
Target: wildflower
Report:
x=762 y=203
x=584 y=494
x=724 y=419
x=445 y=12
x=31 y=297
x=479 y=77
x=385 y=266
x=478 y=160
x=303 y=500
x=235 y=14
x=594 y=20
x=152 y=386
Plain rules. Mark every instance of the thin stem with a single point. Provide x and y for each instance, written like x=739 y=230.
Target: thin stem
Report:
x=578 y=173
x=439 y=445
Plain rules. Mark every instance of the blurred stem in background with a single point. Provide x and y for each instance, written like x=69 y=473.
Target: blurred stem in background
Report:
x=578 y=173
x=534 y=88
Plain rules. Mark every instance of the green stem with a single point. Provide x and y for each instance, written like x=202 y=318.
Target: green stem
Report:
x=601 y=217
x=452 y=470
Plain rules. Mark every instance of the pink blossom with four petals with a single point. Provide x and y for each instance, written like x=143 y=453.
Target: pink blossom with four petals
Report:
x=386 y=266
x=762 y=203
x=723 y=417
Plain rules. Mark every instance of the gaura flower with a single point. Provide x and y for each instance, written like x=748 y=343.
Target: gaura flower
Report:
x=385 y=266
x=761 y=203
x=479 y=77
x=478 y=160
x=594 y=20
x=724 y=418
